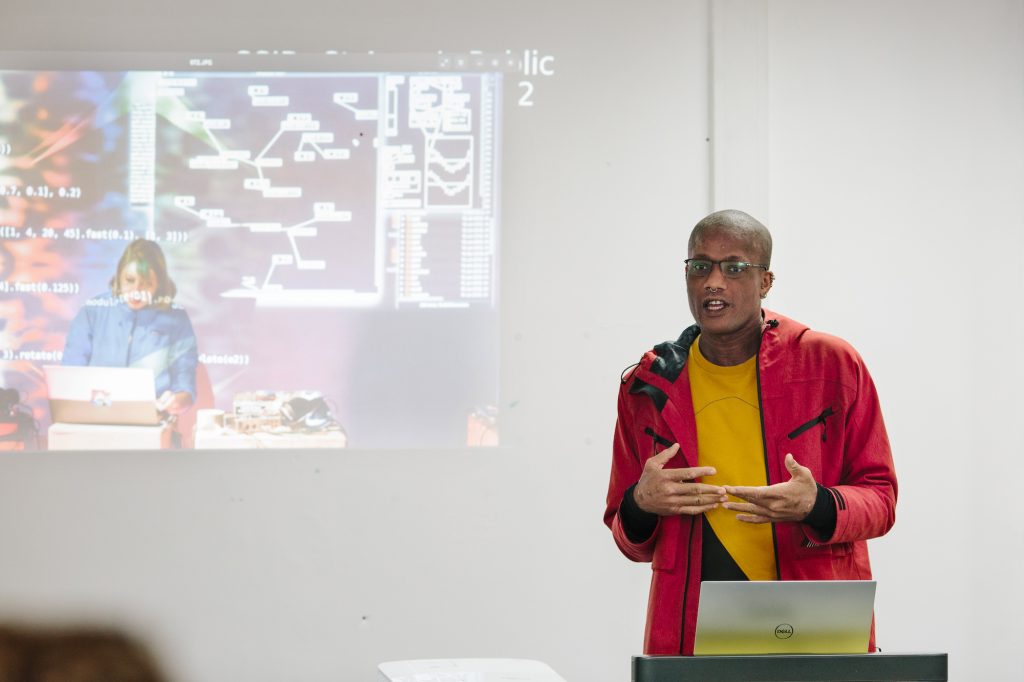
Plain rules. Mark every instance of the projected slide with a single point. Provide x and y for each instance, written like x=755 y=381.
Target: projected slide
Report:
x=318 y=260
x=287 y=168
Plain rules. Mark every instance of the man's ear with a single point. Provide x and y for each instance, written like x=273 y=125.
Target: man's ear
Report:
x=767 y=282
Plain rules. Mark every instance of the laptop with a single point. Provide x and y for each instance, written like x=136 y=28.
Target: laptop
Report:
x=102 y=395
x=784 y=617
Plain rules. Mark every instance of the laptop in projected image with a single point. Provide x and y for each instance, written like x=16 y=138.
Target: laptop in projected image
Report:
x=102 y=395
x=784 y=617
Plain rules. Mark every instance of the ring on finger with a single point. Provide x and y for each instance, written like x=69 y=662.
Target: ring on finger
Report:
x=698 y=499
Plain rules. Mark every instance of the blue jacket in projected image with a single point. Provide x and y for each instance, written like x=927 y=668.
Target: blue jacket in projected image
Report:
x=107 y=333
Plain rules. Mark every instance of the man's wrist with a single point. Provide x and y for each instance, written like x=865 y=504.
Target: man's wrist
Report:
x=638 y=524
x=822 y=517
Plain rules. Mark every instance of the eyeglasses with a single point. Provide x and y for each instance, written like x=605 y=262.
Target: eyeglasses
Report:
x=733 y=269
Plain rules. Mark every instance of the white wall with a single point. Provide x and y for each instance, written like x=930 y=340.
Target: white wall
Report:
x=894 y=160
x=887 y=145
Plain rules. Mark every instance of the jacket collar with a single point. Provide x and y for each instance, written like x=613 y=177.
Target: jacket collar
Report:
x=667 y=359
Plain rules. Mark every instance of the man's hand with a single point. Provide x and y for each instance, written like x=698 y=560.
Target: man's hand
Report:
x=789 y=501
x=668 y=492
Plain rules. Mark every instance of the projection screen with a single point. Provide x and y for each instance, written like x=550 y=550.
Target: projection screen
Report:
x=330 y=224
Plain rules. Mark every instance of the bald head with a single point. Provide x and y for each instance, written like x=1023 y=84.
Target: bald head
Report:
x=735 y=224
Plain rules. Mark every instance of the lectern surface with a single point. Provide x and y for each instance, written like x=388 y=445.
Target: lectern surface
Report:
x=793 y=668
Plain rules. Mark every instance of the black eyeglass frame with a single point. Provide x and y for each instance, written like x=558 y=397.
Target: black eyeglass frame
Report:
x=725 y=273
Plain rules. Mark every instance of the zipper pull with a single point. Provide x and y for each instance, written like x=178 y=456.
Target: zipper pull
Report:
x=823 y=417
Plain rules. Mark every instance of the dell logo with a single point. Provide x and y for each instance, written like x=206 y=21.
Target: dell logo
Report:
x=784 y=631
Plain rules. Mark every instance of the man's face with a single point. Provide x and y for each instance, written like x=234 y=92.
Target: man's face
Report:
x=722 y=305
x=137 y=288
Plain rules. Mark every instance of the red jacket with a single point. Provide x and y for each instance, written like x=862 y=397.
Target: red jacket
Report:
x=817 y=402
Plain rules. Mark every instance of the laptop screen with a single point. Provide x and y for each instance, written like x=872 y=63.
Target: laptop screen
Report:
x=784 y=617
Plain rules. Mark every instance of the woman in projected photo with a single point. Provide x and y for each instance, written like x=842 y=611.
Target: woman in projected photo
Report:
x=136 y=324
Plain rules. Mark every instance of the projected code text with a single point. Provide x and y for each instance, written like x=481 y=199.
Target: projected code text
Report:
x=80 y=234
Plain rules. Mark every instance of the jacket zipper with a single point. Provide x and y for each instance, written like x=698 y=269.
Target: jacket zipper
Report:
x=686 y=585
x=764 y=439
x=820 y=419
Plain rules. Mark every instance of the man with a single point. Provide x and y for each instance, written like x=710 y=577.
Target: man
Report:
x=749 y=448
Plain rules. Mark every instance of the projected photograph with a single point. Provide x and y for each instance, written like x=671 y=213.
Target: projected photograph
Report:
x=248 y=259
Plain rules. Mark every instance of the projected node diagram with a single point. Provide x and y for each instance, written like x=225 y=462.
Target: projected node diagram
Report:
x=440 y=111
x=439 y=187
x=332 y=190
x=450 y=172
x=279 y=174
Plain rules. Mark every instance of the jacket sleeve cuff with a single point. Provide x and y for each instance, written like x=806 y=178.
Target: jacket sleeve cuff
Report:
x=639 y=524
x=822 y=519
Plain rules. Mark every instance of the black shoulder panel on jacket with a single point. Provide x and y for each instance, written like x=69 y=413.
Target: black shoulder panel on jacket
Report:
x=670 y=358
x=655 y=393
x=671 y=355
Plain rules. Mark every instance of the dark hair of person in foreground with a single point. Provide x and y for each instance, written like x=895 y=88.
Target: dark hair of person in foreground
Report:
x=73 y=655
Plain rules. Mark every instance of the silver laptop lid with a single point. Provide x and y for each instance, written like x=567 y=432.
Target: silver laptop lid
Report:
x=101 y=395
x=784 y=617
